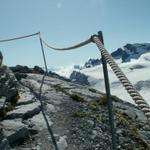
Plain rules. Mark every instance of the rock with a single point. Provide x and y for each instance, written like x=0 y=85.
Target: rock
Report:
x=8 y=83
x=92 y=63
x=21 y=69
x=79 y=78
x=26 y=97
x=117 y=54
x=24 y=111
x=38 y=121
x=126 y=53
x=39 y=70
x=19 y=76
x=142 y=84
x=62 y=143
x=50 y=108
x=145 y=135
x=4 y=145
x=76 y=115
x=14 y=131
x=1 y=135
x=8 y=90
x=133 y=51
x=24 y=69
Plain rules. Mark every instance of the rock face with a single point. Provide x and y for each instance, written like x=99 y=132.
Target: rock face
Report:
x=128 y=52
x=77 y=115
x=79 y=78
x=8 y=90
x=26 y=69
x=92 y=62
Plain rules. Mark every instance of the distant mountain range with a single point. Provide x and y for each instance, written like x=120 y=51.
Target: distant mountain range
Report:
x=137 y=71
x=134 y=61
x=126 y=53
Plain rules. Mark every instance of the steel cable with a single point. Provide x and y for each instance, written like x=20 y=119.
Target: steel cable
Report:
x=141 y=103
x=18 y=38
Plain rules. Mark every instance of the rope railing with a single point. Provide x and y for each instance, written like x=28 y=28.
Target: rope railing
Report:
x=70 y=47
x=141 y=103
x=41 y=86
x=18 y=38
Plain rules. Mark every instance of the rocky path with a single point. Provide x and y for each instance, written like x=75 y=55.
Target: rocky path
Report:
x=77 y=115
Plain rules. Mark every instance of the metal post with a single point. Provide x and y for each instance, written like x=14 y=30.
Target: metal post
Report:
x=40 y=98
x=41 y=43
x=108 y=95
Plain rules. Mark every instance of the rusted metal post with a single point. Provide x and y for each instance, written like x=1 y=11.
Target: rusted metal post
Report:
x=108 y=95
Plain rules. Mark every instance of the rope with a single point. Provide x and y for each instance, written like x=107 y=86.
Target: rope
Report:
x=142 y=104
x=17 y=38
x=40 y=97
x=68 y=48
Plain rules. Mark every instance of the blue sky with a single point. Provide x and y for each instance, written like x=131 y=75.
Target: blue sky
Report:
x=65 y=22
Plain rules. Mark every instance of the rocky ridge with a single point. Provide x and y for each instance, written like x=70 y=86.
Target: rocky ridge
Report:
x=77 y=115
x=78 y=77
x=128 y=52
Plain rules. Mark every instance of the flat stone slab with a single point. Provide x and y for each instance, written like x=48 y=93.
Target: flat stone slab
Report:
x=25 y=111
x=14 y=131
x=25 y=98
x=39 y=121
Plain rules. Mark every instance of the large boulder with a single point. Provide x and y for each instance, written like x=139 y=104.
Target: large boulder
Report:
x=38 y=69
x=8 y=90
x=4 y=145
x=14 y=131
x=21 y=69
x=92 y=63
x=79 y=78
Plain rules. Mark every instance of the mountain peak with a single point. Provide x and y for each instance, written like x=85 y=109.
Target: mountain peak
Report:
x=126 y=53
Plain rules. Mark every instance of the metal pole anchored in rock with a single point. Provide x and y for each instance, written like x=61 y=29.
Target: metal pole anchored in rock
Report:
x=1 y=58
x=108 y=95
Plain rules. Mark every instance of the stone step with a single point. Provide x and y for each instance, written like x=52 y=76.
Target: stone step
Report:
x=14 y=131
x=24 y=111
x=26 y=98
x=4 y=145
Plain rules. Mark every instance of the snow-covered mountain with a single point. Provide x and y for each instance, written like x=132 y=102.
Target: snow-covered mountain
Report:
x=130 y=51
x=126 y=53
x=137 y=71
